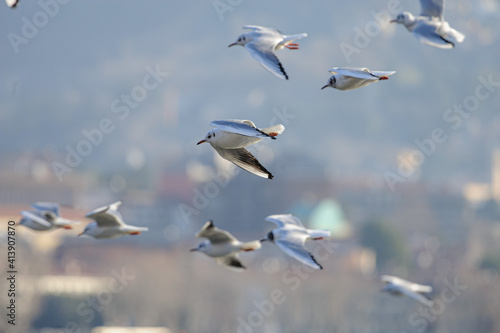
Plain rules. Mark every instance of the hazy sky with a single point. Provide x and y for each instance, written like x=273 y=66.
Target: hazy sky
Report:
x=67 y=69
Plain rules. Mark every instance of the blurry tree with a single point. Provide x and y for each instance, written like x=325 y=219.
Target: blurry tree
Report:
x=386 y=241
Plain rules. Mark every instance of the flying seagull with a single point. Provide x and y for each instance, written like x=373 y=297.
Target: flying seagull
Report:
x=398 y=286
x=222 y=246
x=261 y=42
x=347 y=78
x=109 y=223
x=430 y=27
x=291 y=236
x=45 y=216
x=230 y=137
x=12 y=3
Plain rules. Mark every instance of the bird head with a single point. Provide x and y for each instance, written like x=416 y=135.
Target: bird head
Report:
x=242 y=40
x=269 y=237
x=201 y=247
x=404 y=18
x=89 y=230
x=208 y=138
x=332 y=82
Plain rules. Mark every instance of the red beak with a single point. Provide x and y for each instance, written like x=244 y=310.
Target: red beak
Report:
x=201 y=142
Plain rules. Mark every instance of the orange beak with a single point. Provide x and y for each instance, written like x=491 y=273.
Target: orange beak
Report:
x=67 y=227
x=201 y=142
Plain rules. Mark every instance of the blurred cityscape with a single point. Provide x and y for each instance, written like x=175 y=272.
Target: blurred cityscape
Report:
x=405 y=173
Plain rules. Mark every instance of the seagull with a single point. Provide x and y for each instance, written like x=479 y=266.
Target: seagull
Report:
x=109 y=223
x=222 y=246
x=46 y=216
x=291 y=236
x=261 y=42
x=12 y=3
x=347 y=78
x=398 y=286
x=430 y=27
x=231 y=136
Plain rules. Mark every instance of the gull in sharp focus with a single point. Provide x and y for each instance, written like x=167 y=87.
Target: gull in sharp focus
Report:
x=398 y=286
x=261 y=42
x=430 y=27
x=109 y=223
x=12 y=3
x=45 y=216
x=222 y=246
x=291 y=236
x=347 y=78
x=229 y=137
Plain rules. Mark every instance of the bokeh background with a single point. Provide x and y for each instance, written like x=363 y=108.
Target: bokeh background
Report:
x=105 y=100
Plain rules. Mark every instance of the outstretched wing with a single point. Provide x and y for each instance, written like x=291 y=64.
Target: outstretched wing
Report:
x=358 y=73
x=283 y=219
x=107 y=216
x=258 y=28
x=214 y=234
x=36 y=219
x=293 y=245
x=47 y=206
x=416 y=296
x=262 y=50
x=432 y=8
x=241 y=127
x=426 y=32
x=245 y=160
x=231 y=261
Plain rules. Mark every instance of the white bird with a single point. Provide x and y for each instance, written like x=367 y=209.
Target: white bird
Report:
x=109 y=223
x=261 y=43
x=46 y=216
x=398 y=286
x=347 y=78
x=231 y=136
x=11 y=3
x=430 y=27
x=222 y=246
x=291 y=236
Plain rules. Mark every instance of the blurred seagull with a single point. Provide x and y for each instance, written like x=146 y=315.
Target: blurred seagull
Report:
x=430 y=27
x=398 y=286
x=222 y=246
x=231 y=136
x=261 y=42
x=12 y=3
x=348 y=78
x=46 y=216
x=291 y=236
x=109 y=223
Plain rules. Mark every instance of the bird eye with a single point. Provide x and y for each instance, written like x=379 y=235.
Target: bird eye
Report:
x=209 y=136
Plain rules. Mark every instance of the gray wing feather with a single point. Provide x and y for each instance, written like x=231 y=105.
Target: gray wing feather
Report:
x=295 y=248
x=432 y=8
x=242 y=127
x=214 y=234
x=52 y=207
x=245 y=160
x=264 y=54
x=282 y=219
